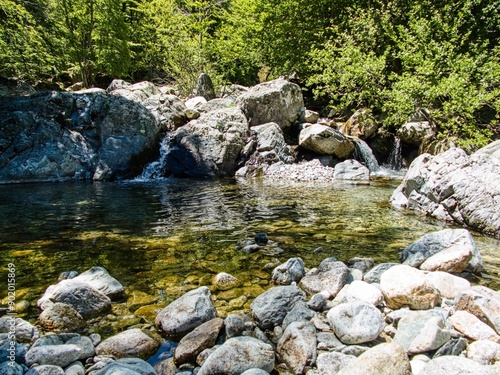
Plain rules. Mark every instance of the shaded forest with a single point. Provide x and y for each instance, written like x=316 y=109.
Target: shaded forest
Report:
x=392 y=57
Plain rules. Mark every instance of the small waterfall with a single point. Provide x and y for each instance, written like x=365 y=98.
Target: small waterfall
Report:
x=365 y=154
x=396 y=158
x=155 y=169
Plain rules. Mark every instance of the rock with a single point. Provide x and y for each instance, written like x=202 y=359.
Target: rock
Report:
x=328 y=341
x=452 y=347
x=483 y=303
x=169 y=110
x=311 y=117
x=207 y=146
x=130 y=343
x=451 y=365
x=300 y=311
x=11 y=368
x=373 y=275
x=225 y=281
x=61 y=317
x=351 y=170
x=100 y=279
x=356 y=322
x=196 y=102
x=331 y=363
x=205 y=87
x=448 y=286
x=45 y=370
x=261 y=239
x=88 y=301
x=117 y=84
x=234 y=325
x=255 y=371
x=485 y=352
x=276 y=101
x=291 y=271
x=215 y=104
x=421 y=331
x=317 y=302
x=76 y=368
x=271 y=307
x=324 y=140
x=404 y=285
x=297 y=346
x=271 y=146
x=414 y=132
x=8 y=351
x=58 y=136
x=25 y=331
x=186 y=313
x=138 y=92
x=201 y=338
x=128 y=366
x=56 y=355
x=361 y=124
x=237 y=355
x=383 y=359
x=472 y=327
x=83 y=343
x=311 y=170
x=359 y=291
x=330 y=277
x=454 y=186
x=455 y=244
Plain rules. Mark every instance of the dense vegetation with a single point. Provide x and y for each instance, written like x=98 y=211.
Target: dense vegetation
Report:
x=393 y=57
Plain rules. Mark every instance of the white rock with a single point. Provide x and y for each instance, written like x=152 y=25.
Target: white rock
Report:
x=448 y=286
x=472 y=327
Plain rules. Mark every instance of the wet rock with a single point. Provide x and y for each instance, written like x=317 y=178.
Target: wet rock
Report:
x=61 y=317
x=351 y=170
x=291 y=271
x=373 y=275
x=25 y=331
x=45 y=370
x=297 y=346
x=483 y=303
x=276 y=101
x=330 y=277
x=332 y=363
x=324 y=140
x=205 y=87
x=359 y=291
x=383 y=359
x=186 y=313
x=201 y=338
x=129 y=366
x=485 y=352
x=225 y=281
x=237 y=355
x=88 y=301
x=130 y=343
x=270 y=308
x=356 y=322
x=448 y=286
x=404 y=285
x=261 y=239
x=421 y=331
x=472 y=327
x=451 y=365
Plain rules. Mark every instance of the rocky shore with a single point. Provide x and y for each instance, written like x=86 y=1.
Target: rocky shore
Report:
x=421 y=316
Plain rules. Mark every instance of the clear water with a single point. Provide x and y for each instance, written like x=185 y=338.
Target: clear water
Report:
x=165 y=237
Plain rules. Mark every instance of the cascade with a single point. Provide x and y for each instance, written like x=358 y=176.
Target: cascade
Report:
x=365 y=154
x=396 y=158
x=155 y=169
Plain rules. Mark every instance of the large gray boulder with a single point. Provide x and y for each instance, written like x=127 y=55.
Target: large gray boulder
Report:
x=207 y=146
x=276 y=101
x=448 y=250
x=237 y=355
x=130 y=343
x=205 y=87
x=271 y=307
x=325 y=140
x=68 y=136
x=456 y=187
x=186 y=313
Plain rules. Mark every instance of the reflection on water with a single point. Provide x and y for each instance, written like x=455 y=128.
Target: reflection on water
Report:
x=165 y=237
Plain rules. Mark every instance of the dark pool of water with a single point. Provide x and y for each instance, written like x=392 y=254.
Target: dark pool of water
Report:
x=167 y=236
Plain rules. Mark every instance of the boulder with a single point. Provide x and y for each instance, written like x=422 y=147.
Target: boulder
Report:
x=474 y=329
x=421 y=331
x=448 y=286
x=324 y=140
x=201 y=338
x=361 y=124
x=406 y=286
x=186 y=313
x=100 y=279
x=61 y=317
x=299 y=312
x=297 y=346
x=448 y=250
x=359 y=291
x=207 y=146
x=374 y=274
x=237 y=355
x=311 y=117
x=45 y=370
x=128 y=366
x=383 y=359
x=485 y=352
x=331 y=363
x=215 y=104
x=452 y=365
x=356 y=322
x=169 y=110
x=74 y=136
x=291 y=271
x=276 y=101
x=205 y=87
x=56 y=355
x=454 y=186
x=329 y=277
x=225 y=281
x=271 y=307
x=12 y=368
x=25 y=331
x=351 y=170
x=88 y=301
x=452 y=347
x=414 y=132
x=83 y=343
x=483 y=302
x=234 y=325
x=138 y=92
x=130 y=343
x=271 y=144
